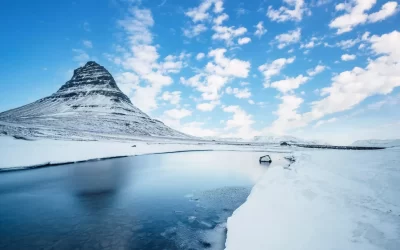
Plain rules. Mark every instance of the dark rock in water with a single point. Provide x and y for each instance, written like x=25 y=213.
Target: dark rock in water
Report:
x=284 y=144
x=133 y=146
x=89 y=106
x=205 y=244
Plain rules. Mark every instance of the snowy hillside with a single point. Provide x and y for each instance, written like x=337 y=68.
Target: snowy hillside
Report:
x=377 y=143
x=89 y=106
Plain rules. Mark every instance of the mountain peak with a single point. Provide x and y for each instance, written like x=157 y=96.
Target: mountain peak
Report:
x=89 y=104
x=92 y=75
x=91 y=63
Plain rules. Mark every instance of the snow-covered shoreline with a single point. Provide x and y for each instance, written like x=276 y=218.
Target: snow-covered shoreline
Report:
x=22 y=154
x=326 y=200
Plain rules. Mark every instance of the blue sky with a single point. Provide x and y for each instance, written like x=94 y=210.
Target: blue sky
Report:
x=322 y=70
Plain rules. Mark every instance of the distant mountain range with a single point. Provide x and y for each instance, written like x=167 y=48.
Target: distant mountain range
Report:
x=284 y=138
x=89 y=106
x=377 y=143
x=268 y=139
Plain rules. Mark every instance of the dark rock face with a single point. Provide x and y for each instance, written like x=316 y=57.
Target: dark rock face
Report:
x=95 y=77
x=90 y=105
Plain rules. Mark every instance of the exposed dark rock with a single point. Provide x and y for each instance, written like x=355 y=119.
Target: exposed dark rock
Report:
x=205 y=244
x=265 y=158
x=21 y=138
x=290 y=158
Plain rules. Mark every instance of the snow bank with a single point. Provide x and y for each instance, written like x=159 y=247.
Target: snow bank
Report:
x=21 y=153
x=326 y=200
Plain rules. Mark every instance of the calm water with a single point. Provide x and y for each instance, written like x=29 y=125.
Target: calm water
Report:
x=169 y=201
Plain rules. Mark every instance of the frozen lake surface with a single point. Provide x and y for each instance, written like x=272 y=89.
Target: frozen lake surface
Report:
x=166 y=201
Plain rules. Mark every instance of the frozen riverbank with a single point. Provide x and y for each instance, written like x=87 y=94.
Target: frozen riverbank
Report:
x=327 y=200
x=16 y=154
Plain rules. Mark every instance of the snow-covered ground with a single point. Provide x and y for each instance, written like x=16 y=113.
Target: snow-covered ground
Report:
x=328 y=199
x=378 y=143
x=24 y=153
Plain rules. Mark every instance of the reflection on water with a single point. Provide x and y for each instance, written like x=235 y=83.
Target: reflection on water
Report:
x=177 y=201
x=102 y=177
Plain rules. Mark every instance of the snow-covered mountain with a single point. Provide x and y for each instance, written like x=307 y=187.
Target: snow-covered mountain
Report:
x=377 y=143
x=90 y=105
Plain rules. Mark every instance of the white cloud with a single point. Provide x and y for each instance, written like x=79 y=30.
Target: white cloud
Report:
x=194 y=30
x=218 y=7
x=227 y=34
x=137 y=25
x=206 y=106
x=260 y=30
x=251 y=102
x=308 y=45
x=127 y=81
x=350 y=88
x=287 y=115
x=346 y=44
x=322 y=2
x=318 y=69
x=227 y=67
x=241 y=12
x=87 y=44
x=200 y=56
x=314 y=41
x=356 y=14
x=388 y=101
x=291 y=37
x=145 y=98
x=289 y=83
x=177 y=113
x=142 y=59
x=173 y=97
x=216 y=74
x=238 y=93
x=196 y=129
x=387 y=10
x=274 y=68
x=220 y=19
x=200 y=13
x=294 y=11
x=348 y=57
x=241 y=122
x=244 y=40
x=321 y=122
x=244 y=83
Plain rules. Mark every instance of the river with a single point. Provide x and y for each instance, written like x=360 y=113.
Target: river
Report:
x=164 y=201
